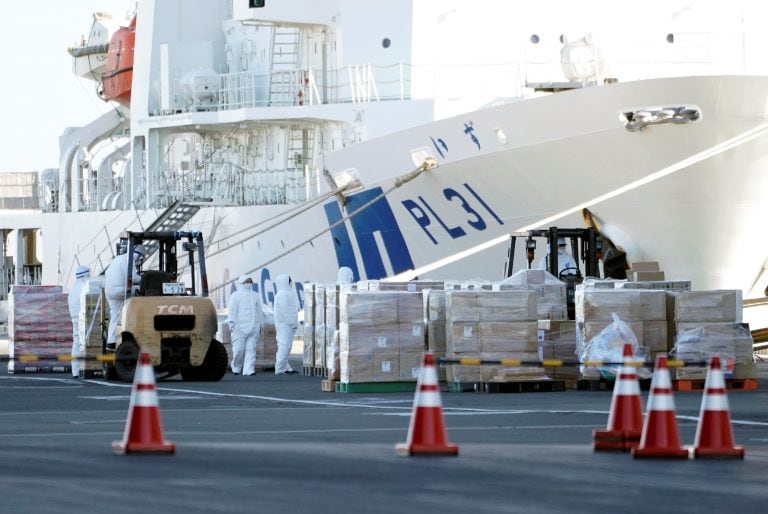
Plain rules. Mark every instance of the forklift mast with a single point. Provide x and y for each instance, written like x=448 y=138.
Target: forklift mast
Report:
x=167 y=254
x=586 y=248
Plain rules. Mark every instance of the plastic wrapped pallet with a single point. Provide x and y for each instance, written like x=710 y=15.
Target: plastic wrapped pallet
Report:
x=332 y=317
x=688 y=309
x=434 y=307
x=92 y=304
x=387 y=324
x=629 y=305
x=499 y=316
x=308 y=357
x=320 y=334
x=732 y=342
x=38 y=324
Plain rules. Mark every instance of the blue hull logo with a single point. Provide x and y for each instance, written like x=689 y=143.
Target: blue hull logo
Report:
x=377 y=218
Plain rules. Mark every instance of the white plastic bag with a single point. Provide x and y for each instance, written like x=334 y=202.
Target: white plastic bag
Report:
x=608 y=346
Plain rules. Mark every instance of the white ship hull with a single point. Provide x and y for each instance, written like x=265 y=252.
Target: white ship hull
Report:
x=689 y=195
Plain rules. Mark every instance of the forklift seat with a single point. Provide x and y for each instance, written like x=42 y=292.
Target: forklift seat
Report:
x=152 y=282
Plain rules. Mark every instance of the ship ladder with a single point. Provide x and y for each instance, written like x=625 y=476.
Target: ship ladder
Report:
x=283 y=65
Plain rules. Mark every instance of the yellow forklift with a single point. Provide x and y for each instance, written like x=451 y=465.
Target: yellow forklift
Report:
x=586 y=247
x=174 y=323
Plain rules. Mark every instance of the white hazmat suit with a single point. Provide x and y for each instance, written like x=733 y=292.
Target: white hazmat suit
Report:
x=82 y=274
x=286 y=323
x=245 y=320
x=115 y=283
x=564 y=259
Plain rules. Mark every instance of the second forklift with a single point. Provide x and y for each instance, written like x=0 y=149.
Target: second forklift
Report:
x=586 y=247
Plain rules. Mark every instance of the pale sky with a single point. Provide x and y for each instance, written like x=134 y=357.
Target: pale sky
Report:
x=40 y=94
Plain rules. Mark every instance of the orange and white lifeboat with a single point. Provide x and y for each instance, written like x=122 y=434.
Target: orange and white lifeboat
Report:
x=118 y=73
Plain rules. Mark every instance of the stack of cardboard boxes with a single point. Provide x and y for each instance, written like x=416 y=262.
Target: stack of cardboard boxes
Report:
x=706 y=323
x=643 y=310
x=381 y=336
x=492 y=325
x=645 y=272
x=38 y=324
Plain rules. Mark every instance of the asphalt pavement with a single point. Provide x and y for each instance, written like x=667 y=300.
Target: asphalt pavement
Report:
x=270 y=443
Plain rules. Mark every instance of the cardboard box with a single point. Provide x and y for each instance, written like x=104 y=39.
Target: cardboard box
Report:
x=410 y=365
x=356 y=368
x=386 y=366
x=645 y=276
x=644 y=266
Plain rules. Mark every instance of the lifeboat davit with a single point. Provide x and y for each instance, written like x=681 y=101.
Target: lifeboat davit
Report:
x=118 y=72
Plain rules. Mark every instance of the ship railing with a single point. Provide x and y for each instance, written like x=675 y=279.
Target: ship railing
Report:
x=242 y=90
x=31 y=275
x=225 y=183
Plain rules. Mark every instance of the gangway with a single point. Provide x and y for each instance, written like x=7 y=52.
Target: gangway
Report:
x=170 y=220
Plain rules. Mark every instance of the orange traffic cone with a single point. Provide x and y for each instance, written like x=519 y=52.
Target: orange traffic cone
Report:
x=144 y=429
x=714 y=437
x=660 y=437
x=426 y=433
x=625 y=421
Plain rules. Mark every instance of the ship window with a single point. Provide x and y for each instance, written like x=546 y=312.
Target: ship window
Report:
x=535 y=39
x=386 y=42
x=670 y=38
x=255 y=4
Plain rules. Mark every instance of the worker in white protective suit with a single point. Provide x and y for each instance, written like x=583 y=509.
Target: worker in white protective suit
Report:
x=345 y=276
x=245 y=320
x=286 y=323
x=115 y=283
x=82 y=273
x=564 y=260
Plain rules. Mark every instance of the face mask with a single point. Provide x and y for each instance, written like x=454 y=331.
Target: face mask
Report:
x=247 y=286
x=561 y=250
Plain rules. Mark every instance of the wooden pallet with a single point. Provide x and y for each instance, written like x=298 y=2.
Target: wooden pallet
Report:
x=518 y=386
x=731 y=384
x=314 y=371
x=601 y=384
x=328 y=386
x=376 y=387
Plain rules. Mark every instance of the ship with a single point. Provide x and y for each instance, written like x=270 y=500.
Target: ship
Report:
x=409 y=139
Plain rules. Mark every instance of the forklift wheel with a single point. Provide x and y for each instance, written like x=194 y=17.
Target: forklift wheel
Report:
x=126 y=357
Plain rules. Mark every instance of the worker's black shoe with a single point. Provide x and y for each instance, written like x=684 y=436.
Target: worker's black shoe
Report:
x=292 y=372
x=111 y=347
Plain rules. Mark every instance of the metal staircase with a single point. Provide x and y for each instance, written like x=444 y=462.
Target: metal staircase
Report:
x=172 y=218
x=284 y=65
